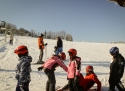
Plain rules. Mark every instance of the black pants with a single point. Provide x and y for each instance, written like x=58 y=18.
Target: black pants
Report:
x=119 y=85
x=11 y=41
x=23 y=88
x=50 y=84
x=41 y=55
x=74 y=86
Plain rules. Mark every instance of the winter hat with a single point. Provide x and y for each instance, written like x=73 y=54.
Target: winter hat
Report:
x=42 y=34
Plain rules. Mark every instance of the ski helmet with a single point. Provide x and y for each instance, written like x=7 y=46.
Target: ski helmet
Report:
x=62 y=55
x=72 y=51
x=89 y=68
x=114 y=51
x=21 y=50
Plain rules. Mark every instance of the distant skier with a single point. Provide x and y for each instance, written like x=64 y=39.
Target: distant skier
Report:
x=59 y=46
x=41 y=46
x=116 y=70
x=50 y=66
x=11 y=39
x=23 y=68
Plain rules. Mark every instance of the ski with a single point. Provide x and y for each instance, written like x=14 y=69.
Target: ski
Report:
x=37 y=63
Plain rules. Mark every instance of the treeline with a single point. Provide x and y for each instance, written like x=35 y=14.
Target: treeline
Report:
x=48 y=34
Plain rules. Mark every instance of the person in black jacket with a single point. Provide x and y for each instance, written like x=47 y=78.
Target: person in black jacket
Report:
x=59 y=47
x=116 y=70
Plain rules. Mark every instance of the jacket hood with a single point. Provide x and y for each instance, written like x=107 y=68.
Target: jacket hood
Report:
x=26 y=58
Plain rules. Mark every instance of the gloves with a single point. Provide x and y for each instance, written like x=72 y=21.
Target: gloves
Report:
x=46 y=44
x=76 y=79
x=21 y=84
x=40 y=68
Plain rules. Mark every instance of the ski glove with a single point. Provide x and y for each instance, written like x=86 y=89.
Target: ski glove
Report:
x=76 y=79
x=46 y=44
x=21 y=84
x=40 y=68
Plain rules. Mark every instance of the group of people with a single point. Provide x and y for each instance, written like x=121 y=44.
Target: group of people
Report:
x=76 y=81
x=58 y=48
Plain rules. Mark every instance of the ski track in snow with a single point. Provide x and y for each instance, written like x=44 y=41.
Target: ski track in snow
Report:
x=95 y=54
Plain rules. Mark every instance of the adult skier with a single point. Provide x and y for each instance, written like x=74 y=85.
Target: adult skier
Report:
x=41 y=46
x=59 y=46
x=116 y=70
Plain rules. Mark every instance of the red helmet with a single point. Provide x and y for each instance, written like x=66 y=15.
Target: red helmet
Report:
x=62 y=55
x=89 y=68
x=21 y=50
x=73 y=52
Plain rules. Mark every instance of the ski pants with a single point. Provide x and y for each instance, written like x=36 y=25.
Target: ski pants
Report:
x=41 y=55
x=59 y=50
x=23 y=88
x=119 y=85
x=50 y=84
x=78 y=88
x=73 y=86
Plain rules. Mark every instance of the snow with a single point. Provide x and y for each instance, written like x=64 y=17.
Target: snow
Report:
x=95 y=54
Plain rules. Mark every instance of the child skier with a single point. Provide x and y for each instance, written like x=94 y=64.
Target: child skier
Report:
x=23 y=68
x=116 y=70
x=49 y=67
x=74 y=68
x=91 y=78
x=85 y=83
x=81 y=85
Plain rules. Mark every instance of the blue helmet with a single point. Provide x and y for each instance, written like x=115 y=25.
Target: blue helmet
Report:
x=114 y=51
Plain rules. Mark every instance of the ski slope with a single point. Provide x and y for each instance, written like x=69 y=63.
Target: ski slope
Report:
x=95 y=54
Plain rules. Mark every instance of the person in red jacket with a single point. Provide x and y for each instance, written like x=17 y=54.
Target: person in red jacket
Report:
x=91 y=78
x=49 y=67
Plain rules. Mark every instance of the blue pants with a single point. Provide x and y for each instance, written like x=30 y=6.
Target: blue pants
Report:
x=59 y=50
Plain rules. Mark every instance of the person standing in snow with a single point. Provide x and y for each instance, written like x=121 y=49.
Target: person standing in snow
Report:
x=116 y=70
x=59 y=46
x=74 y=68
x=41 y=46
x=23 y=68
x=11 y=39
x=50 y=66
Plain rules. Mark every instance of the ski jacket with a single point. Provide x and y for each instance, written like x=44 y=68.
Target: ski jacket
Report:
x=116 y=68
x=59 y=43
x=11 y=37
x=82 y=82
x=54 y=62
x=40 y=42
x=74 y=68
x=90 y=80
x=23 y=69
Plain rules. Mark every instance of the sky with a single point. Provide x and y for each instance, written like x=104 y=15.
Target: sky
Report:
x=85 y=20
